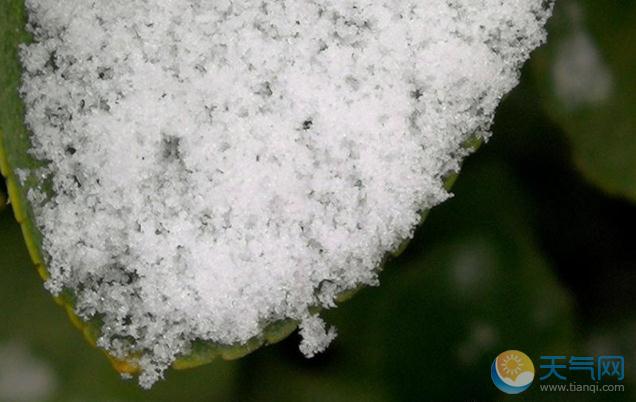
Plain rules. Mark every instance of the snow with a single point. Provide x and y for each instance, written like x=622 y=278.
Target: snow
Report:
x=221 y=166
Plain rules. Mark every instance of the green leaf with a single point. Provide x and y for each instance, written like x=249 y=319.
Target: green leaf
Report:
x=586 y=75
x=14 y=156
x=12 y=20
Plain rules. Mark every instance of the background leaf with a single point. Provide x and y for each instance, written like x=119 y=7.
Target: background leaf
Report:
x=587 y=80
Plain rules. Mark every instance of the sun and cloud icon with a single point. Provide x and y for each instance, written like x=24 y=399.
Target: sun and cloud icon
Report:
x=512 y=372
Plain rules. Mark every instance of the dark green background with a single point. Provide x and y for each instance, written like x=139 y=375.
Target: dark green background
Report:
x=535 y=252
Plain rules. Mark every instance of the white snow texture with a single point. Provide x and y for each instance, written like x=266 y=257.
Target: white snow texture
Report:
x=218 y=166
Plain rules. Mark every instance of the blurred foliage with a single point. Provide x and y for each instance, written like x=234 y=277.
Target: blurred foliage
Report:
x=3 y=195
x=587 y=82
x=527 y=255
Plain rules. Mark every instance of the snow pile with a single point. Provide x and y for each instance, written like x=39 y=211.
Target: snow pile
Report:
x=221 y=165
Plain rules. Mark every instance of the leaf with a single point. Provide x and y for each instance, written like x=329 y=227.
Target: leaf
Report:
x=15 y=156
x=587 y=79
x=15 y=143
x=14 y=146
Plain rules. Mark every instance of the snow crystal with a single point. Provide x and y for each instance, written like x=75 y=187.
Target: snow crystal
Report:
x=218 y=166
